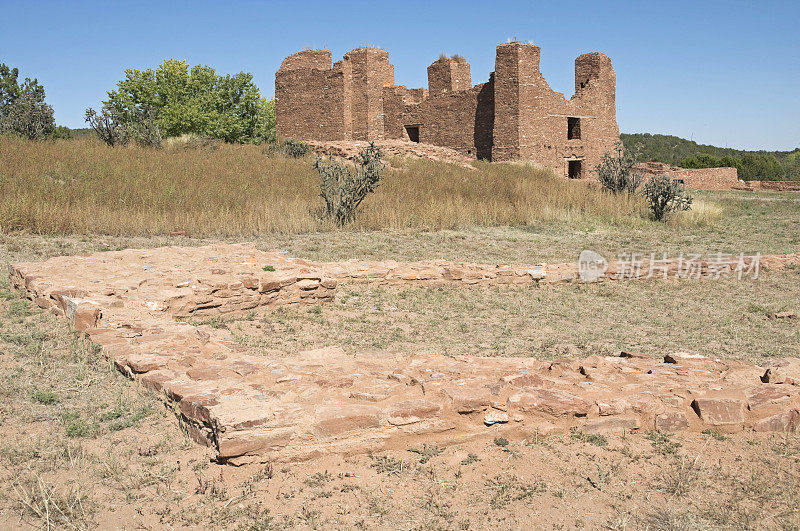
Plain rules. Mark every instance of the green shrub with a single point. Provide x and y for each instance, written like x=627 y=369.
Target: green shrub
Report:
x=665 y=195
x=295 y=148
x=343 y=189
x=616 y=171
x=108 y=125
x=289 y=147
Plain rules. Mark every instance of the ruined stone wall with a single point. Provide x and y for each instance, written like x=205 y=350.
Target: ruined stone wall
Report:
x=531 y=120
x=318 y=102
x=318 y=110
x=371 y=72
x=515 y=115
x=455 y=119
x=702 y=178
x=448 y=75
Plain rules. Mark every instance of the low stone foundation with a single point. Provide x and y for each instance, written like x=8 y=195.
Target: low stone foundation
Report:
x=252 y=406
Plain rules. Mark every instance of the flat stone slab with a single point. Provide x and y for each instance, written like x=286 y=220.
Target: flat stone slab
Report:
x=255 y=407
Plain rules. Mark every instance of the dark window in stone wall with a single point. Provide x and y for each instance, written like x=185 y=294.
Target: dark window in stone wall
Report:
x=573 y=128
x=413 y=132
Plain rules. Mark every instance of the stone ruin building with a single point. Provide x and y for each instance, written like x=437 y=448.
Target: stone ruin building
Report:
x=513 y=116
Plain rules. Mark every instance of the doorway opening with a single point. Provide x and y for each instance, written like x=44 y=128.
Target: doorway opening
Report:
x=574 y=169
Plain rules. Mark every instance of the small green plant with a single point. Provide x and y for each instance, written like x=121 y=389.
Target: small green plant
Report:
x=318 y=479
x=471 y=458
x=268 y=268
x=343 y=189
x=663 y=443
x=665 y=195
x=427 y=452
x=501 y=441
x=591 y=438
x=47 y=398
x=616 y=172
x=75 y=426
x=506 y=489
x=387 y=465
x=715 y=434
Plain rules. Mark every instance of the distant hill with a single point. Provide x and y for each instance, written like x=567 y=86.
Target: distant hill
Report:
x=752 y=165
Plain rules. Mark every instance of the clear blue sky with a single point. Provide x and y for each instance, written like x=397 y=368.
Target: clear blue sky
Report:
x=724 y=73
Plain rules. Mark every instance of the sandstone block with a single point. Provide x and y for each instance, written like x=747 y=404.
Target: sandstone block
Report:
x=786 y=422
x=83 y=313
x=683 y=357
x=671 y=421
x=611 y=424
x=553 y=402
x=411 y=411
x=469 y=399
x=334 y=420
x=766 y=395
x=719 y=411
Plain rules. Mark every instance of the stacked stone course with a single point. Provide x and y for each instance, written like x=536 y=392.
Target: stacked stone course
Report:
x=515 y=115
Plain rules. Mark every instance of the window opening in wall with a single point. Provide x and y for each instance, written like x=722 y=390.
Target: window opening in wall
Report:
x=573 y=128
x=413 y=132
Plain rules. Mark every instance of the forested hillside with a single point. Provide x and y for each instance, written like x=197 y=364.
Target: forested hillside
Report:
x=752 y=165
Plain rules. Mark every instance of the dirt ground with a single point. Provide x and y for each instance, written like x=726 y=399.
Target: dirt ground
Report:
x=82 y=446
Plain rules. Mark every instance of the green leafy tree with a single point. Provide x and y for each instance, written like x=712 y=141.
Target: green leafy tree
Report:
x=23 y=110
x=761 y=167
x=197 y=101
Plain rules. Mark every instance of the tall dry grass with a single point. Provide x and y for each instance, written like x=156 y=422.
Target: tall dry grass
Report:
x=83 y=186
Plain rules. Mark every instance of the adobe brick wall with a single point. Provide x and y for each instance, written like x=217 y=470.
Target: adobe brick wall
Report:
x=703 y=178
x=515 y=115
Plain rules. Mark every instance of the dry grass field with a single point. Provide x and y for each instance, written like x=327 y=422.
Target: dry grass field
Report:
x=81 y=186
x=81 y=446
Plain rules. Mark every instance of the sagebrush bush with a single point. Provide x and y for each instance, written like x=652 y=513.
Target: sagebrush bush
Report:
x=107 y=125
x=295 y=148
x=665 y=195
x=616 y=171
x=343 y=187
